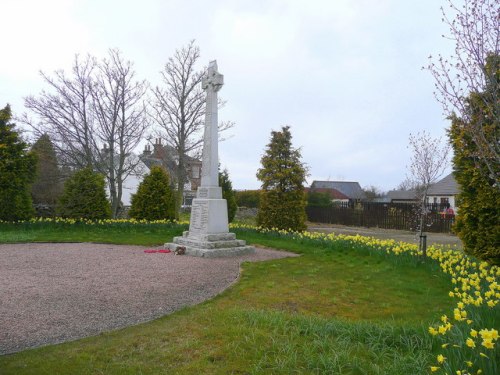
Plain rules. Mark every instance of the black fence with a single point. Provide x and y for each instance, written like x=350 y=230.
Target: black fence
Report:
x=383 y=215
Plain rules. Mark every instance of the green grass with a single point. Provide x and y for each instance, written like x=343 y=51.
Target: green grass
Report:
x=332 y=310
x=117 y=233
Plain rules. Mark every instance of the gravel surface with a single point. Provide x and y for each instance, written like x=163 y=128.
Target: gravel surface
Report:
x=51 y=293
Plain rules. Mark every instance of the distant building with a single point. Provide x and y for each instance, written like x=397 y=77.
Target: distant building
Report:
x=167 y=157
x=335 y=195
x=402 y=196
x=440 y=194
x=350 y=190
x=444 y=192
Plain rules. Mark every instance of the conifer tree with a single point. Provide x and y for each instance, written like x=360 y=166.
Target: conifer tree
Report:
x=17 y=171
x=84 y=197
x=47 y=186
x=154 y=199
x=282 y=201
x=228 y=194
x=477 y=222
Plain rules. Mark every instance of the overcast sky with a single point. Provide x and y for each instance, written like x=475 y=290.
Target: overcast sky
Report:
x=344 y=74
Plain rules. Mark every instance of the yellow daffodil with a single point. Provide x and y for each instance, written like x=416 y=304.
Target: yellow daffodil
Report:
x=488 y=343
x=470 y=343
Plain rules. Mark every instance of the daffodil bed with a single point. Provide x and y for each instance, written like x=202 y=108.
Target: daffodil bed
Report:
x=279 y=317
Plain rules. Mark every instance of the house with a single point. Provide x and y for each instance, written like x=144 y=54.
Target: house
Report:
x=439 y=195
x=402 y=196
x=444 y=192
x=335 y=195
x=167 y=157
x=348 y=189
x=132 y=181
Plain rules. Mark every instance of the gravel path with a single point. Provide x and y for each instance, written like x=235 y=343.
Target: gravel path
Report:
x=51 y=293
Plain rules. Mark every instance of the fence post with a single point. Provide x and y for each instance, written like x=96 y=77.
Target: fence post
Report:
x=423 y=243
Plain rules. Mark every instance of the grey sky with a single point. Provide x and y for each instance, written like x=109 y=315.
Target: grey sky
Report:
x=345 y=75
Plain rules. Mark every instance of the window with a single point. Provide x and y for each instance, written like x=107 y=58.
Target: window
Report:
x=195 y=171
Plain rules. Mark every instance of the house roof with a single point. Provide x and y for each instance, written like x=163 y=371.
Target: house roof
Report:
x=446 y=186
x=402 y=195
x=349 y=188
x=333 y=193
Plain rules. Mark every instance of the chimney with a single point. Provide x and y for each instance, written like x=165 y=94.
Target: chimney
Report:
x=158 y=150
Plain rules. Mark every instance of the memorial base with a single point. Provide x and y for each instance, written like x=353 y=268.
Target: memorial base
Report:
x=208 y=234
x=211 y=245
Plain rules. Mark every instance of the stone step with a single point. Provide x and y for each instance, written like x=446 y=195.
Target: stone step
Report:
x=191 y=242
x=210 y=237
x=220 y=253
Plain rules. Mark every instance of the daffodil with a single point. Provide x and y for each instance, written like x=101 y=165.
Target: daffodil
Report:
x=488 y=343
x=470 y=343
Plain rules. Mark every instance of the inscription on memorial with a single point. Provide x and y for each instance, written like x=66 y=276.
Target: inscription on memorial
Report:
x=199 y=217
x=202 y=192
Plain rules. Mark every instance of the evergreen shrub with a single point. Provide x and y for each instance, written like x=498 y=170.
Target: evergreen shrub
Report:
x=154 y=199
x=84 y=197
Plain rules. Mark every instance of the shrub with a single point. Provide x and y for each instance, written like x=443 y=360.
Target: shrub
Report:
x=154 y=199
x=228 y=194
x=282 y=200
x=477 y=222
x=47 y=187
x=319 y=199
x=282 y=210
x=84 y=196
x=17 y=172
x=247 y=198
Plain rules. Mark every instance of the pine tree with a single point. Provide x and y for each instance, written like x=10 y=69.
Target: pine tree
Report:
x=154 y=199
x=84 y=197
x=228 y=194
x=282 y=201
x=477 y=222
x=17 y=172
x=47 y=186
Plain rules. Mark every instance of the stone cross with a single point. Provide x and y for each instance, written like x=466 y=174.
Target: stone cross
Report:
x=212 y=83
x=208 y=234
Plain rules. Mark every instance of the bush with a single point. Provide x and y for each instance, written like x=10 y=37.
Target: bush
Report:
x=319 y=199
x=282 y=200
x=247 y=198
x=17 y=172
x=154 y=199
x=47 y=187
x=84 y=196
x=477 y=222
x=282 y=210
x=228 y=194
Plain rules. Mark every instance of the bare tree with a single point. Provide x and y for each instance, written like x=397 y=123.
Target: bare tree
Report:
x=65 y=113
x=96 y=117
x=372 y=193
x=474 y=27
x=428 y=162
x=120 y=115
x=179 y=108
x=406 y=185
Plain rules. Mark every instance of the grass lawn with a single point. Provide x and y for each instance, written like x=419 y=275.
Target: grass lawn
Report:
x=333 y=310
